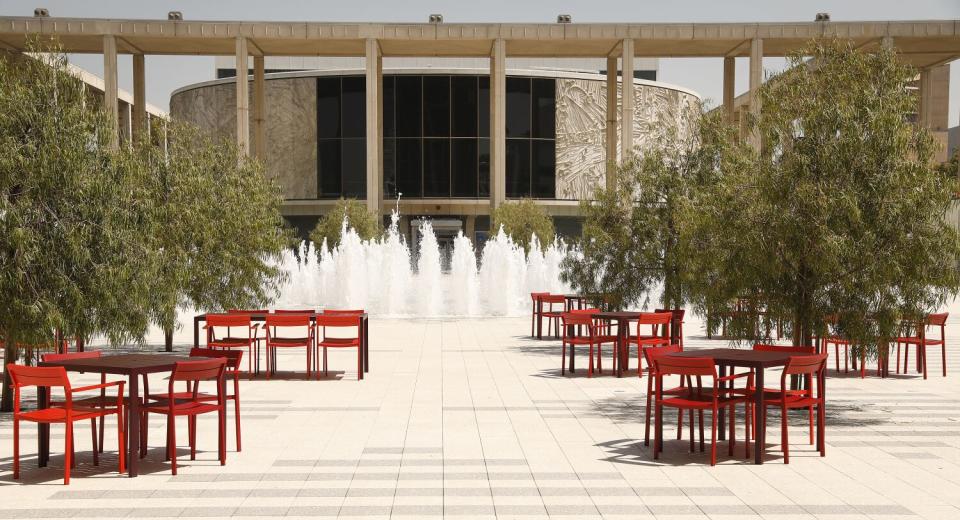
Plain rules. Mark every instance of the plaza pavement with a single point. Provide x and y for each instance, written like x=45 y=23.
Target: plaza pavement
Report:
x=471 y=419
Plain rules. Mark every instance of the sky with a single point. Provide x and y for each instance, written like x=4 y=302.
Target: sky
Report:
x=703 y=75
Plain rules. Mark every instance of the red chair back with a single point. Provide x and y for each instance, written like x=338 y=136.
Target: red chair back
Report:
x=576 y=318
x=232 y=357
x=338 y=320
x=248 y=311
x=537 y=295
x=685 y=366
x=805 y=365
x=288 y=320
x=308 y=312
x=344 y=312
x=51 y=377
x=200 y=370
x=553 y=298
x=938 y=319
x=228 y=320
x=89 y=354
x=677 y=313
x=655 y=318
x=651 y=354
x=762 y=347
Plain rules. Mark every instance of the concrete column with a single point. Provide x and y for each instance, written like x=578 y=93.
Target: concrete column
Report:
x=259 y=109
x=934 y=105
x=110 y=104
x=729 y=83
x=140 y=130
x=380 y=126
x=610 y=144
x=243 y=97
x=498 y=124
x=756 y=79
x=923 y=110
x=626 y=102
x=374 y=126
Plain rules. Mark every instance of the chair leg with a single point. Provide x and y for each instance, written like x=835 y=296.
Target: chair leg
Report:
x=172 y=443
x=747 y=423
x=680 y=424
x=943 y=353
x=93 y=437
x=68 y=453
x=101 y=434
x=713 y=437
x=702 y=446
x=810 y=413
x=192 y=435
x=646 y=414
x=656 y=432
x=784 y=436
x=693 y=438
x=906 y=358
x=923 y=354
x=122 y=443
x=359 y=363
x=16 y=448
x=222 y=434
x=732 y=441
x=236 y=411
x=563 y=365
x=590 y=363
x=898 y=357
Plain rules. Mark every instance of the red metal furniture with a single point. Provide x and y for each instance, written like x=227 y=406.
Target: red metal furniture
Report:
x=536 y=314
x=194 y=403
x=651 y=355
x=305 y=338
x=548 y=311
x=921 y=341
x=229 y=341
x=697 y=398
x=259 y=333
x=337 y=321
x=579 y=321
x=657 y=338
x=676 y=326
x=65 y=413
x=811 y=368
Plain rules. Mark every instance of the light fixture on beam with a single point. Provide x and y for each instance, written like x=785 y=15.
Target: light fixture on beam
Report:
x=436 y=18
x=822 y=17
x=564 y=18
x=41 y=12
x=175 y=16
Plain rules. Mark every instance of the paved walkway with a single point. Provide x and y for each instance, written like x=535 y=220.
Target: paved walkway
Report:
x=471 y=419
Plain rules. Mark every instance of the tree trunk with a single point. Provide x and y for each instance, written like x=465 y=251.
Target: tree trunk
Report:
x=9 y=356
x=168 y=339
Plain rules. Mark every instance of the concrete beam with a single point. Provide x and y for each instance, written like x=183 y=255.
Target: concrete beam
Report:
x=243 y=108
x=610 y=143
x=729 y=83
x=498 y=124
x=139 y=127
x=259 y=109
x=626 y=102
x=110 y=102
x=374 y=125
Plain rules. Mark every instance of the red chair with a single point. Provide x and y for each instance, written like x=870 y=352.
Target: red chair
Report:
x=920 y=341
x=678 y=315
x=651 y=355
x=303 y=324
x=657 y=338
x=811 y=369
x=65 y=413
x=577 y=320
x=257 y=336
x=340 y=320
x=552 y=314
x=190 y=405
x=535 y=314
x=698 y=398
x=229 y=341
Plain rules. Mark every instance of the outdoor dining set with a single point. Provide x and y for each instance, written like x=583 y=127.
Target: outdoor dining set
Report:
x=706 y=379
x=197 y=384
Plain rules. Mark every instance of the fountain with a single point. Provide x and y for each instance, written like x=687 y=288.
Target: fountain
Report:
x=379 y=275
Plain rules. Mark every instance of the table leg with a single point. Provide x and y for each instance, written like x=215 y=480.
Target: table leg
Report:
x=366 y=344
x=621 y=349
x=758 y=409
x=133 y=424
x=196 y=331
x=360 y=347
x=721 y=415
x=43 y=430
x=539 y=319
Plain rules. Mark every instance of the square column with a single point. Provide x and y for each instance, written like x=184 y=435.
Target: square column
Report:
x=626 y=103
x=243 y=97
x=374 y=124
x=139 y=126
x=756 y=79
x=110 y=103
x=498 y=123
x=729 y=82
x=610 y=142
x=259 y=100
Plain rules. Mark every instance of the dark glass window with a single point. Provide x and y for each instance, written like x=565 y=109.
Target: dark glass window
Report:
x=463 y=167
x=544 y=109
x=408 y=111
x=436 y=167
x=389 y=168
x=436 y=106
x=354 y=167
x=328 y=168
x=463 y=102
x=518 y=168
x=483 y=106
x=483 y=167
x=518 y=107
x=328 y=108
x=389 y=107
x=353 y=108
x=543 y=168
x=409 y=179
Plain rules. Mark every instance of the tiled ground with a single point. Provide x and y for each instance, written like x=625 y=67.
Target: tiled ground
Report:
x=471 y=419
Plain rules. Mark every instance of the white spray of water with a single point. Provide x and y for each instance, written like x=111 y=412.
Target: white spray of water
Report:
x=429 y=289
x=464 y=288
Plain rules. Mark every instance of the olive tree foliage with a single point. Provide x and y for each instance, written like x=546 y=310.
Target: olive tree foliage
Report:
x=73 y=214
x=521 y=220
x=217 y=223
x=840 y=215
x=632 y=235
x=365 y=222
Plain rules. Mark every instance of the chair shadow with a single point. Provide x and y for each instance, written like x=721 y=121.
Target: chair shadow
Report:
x=332 y=375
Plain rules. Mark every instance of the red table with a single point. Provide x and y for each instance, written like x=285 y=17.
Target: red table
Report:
x=758 y=361
x=131 y=365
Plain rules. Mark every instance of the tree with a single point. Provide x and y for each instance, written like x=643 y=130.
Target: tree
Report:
x=366 y=223
x=632 y=230
x=841 y=213
x=72 y=248
x=521 y=220
x=218 y=225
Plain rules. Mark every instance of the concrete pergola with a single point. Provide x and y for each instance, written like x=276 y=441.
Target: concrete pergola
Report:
x=926 y=45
